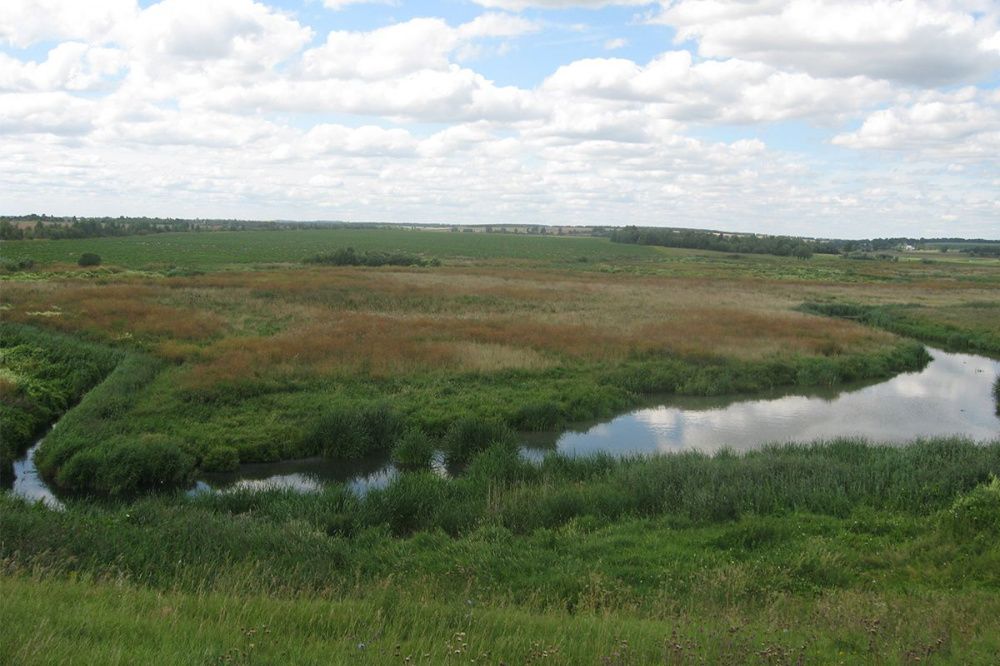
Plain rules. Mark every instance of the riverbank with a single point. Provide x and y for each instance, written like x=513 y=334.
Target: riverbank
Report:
x=876 y=552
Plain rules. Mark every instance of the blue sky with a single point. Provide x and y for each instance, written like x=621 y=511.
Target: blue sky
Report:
x=837 y=118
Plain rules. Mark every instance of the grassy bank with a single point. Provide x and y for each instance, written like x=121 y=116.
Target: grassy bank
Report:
x=42 y=374
x=841 y=552
x=61 y=622
x=911 y=322
x=135 y=432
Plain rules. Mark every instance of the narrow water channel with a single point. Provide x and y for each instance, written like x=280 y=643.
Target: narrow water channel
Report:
x=952 y=395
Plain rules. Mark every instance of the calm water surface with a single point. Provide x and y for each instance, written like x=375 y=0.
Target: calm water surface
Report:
x=953 y=395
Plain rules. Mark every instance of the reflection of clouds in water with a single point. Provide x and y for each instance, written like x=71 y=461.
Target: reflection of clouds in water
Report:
x=303 y=482
x=298 y=482
x=951 y=396
x=29 y=485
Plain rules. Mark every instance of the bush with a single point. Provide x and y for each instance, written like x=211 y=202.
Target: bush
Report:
x=89 y=259
x=501 y=463
x=347 y=434
x=221 y=459
x=468 y=436
x=537 y=416
x=126 y=468
x=14 y=265
x=349 y=257
x=976 y=513
x=414 y=450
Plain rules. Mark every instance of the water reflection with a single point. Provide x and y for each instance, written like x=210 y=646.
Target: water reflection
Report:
x=951 y=396
x=28 y=484
x=305 y=475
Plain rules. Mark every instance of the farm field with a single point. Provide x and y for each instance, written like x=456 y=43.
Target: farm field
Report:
x=197 y=352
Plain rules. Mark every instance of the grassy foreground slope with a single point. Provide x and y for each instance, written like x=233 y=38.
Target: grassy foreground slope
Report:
x=251 y=355
x=835 y=553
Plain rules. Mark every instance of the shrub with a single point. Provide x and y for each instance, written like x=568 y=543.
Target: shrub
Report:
x=349 y=257
x=14 y=265
x=89 y=259
x=221 y=459
x=537 y=416
x=346 y=434
x=501 y=463
x=127 y=467
x=468 y=436
x=414 y=450
x=976 y=513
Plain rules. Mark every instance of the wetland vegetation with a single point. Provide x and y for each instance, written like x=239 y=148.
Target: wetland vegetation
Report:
x=191 y=351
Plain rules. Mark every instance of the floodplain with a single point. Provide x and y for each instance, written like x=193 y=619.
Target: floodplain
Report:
x=198 y=352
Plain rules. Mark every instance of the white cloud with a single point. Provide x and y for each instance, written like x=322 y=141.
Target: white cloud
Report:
x=56 y=113
x=615 y=44
x=403 y=48
x=179 y=33
x=69 y=66
x=518 y=5
x=230 y=107
x=964 y=125
x=920 y=42
x=337 y=5
x=734 y=91
x=25 y=22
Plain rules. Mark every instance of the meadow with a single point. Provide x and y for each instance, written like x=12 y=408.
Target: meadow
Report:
x=839 y=552
x=243 y=351
x=199 y=351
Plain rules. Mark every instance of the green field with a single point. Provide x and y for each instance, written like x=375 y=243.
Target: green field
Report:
x=189 y=352
x=209 y=250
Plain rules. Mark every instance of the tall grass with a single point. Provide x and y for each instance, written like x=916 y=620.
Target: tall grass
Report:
x=90 y=453
x=42 y=374
x=81 y=622
x=897 y=320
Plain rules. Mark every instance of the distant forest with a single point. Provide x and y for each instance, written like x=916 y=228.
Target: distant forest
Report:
x=791 y=246
x=27 y=227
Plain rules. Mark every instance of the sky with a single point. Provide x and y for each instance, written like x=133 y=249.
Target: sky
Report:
x=829 y=118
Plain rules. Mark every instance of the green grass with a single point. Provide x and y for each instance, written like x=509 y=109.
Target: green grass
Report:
x=59 y=622
x=907 y=320
x=43 y=374
x=97 y=448
x=209 y=250
x=840 y=552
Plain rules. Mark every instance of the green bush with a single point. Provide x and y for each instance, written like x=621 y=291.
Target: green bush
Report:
x=346 y=433
x=977 y=513
x=14 y=265
x=126 y=468
x=538 y=416
x=89 y=259
x=350 y=257
x=468 y=436
x=414 y=450
x=221 y=459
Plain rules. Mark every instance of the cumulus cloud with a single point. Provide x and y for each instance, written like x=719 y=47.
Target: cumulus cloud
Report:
x=677 y=87
x=919 y=42
x=964 y=125
x=236 y=107
x=518 y=5
x=25 y=22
